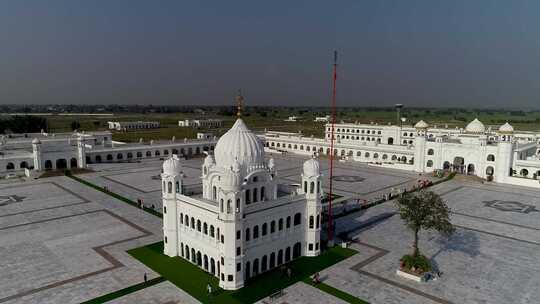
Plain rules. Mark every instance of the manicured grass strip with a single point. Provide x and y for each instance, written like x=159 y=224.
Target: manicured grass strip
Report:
x=193 y=280
x=115 y=195
x=125 y=291
x=336 y=293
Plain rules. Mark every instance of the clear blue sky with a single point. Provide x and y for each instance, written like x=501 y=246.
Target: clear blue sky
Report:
x=421 y=53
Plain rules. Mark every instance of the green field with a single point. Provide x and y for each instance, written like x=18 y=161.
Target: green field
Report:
x=259 y=118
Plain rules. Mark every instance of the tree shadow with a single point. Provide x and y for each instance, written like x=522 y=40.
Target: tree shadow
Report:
x=463 y=241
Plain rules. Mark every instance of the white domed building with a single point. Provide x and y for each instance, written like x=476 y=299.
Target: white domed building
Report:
x=244 y=223
x=501 y=154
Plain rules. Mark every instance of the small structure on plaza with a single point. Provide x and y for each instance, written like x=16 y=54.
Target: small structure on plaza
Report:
x=244 y=223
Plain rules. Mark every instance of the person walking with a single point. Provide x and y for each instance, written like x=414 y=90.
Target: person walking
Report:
x=209 y=289
x=145 y=277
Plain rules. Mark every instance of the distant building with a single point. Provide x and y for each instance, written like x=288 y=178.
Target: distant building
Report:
x=502 y=155
x=293 y=118
x=201 y=123
x=132 y=125
x=322 y=118
x=205 y=135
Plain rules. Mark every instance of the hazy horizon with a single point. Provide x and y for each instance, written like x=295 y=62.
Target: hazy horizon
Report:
x=473 y=54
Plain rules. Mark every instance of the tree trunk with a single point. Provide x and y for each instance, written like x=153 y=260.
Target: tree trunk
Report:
x=415 y=245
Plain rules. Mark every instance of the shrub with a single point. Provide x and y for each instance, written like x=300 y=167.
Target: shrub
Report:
x=420 y=263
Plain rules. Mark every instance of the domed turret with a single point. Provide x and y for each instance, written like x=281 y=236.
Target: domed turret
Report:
x=475 y=127
x=421 y=125
x=239 y=144
x=209 y=161
x=36 y=141
x=271 y=164
x=506 y=128
x=311 y=168
x=172 y=165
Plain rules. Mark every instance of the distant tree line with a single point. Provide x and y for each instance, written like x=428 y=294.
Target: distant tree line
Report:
x=23 y=124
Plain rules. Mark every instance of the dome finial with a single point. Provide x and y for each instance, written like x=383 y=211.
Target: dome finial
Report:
x=239 y=103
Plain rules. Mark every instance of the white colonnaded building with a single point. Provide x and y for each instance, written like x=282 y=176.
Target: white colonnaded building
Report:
x=244 y=222
x=503 y=155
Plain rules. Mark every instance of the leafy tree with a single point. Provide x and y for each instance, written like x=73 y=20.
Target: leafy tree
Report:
x=424 y=210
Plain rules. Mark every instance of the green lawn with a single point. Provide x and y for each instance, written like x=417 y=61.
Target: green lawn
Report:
x=193 y=280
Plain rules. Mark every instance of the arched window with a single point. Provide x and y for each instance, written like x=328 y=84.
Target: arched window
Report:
x=248 y=196
x=263 y=195
x=177 y=187
x=199 y=225
x=248 y=236
x=214 y=194
x=264 y=229
x=366 y=154
x=375 y=155
x=229 y=207
x=311 y=222
x=430 y=152
x=491 y=157
x=192 y=222
x=205 y=228
x=212 y=231
x=272 y=226
x=280 y=224
x=237 y=205
x=255 y=232
x=311 y=187
x=186 y=220
x=255 y=195
x=524 y=172
x=297 y=219
x=10 y=166
x=288 y=223
x=305 y=187
x=221 y=207
x=317 y=223
x=169 y=187
x=429 y=163
x=359 y=153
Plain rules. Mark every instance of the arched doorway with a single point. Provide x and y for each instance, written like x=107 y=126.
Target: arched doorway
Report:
x=297 y=250
x=61 y=164
x=48 y=165
x=446 y=165
x=459 y=164
x=390 y=140
x=199 y=258
x=24 y=165
x=205 y=262
x=255 y=266
x=212 y=266
x=73 y=163
x=10 y=166
x=248 y=270
x=287 y=254
x=470 y=169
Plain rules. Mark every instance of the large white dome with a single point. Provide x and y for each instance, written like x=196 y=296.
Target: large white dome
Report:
x=475 y=126
x=240 y=144
x=172 y=166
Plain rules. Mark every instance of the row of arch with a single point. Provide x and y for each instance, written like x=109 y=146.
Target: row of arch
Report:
x=11 y=166
x=99 y=158
x=202 y=260
x=267 y=262
x=201 y=227
x=342 y=152
x=253 y=232
x=60 y=164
